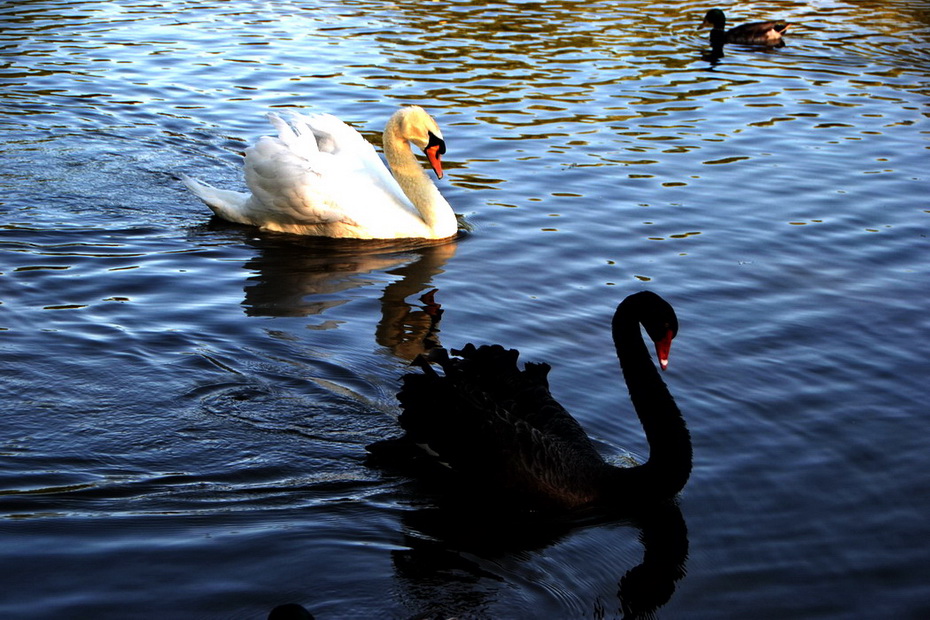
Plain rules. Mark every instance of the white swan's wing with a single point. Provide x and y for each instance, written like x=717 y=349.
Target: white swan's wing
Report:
x=340 y=140
x=286 y=188
x=318 y=170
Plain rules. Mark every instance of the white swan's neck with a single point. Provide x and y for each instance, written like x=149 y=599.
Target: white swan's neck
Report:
x=437 y=214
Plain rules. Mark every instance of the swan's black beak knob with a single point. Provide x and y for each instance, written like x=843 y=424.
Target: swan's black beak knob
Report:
x=435 y=148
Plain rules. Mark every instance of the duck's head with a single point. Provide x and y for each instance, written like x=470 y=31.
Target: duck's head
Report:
x=715 y=19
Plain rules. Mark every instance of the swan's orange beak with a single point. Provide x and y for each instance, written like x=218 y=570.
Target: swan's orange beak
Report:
x=434 y=151
x=663 y=347
x=433 y=155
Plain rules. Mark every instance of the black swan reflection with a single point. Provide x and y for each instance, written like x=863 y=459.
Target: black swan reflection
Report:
x=449 y=563
x=500 y=430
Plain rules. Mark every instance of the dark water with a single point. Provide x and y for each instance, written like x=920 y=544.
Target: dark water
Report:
x=186 y=403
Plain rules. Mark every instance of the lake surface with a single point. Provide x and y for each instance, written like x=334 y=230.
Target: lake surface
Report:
x=187 y=403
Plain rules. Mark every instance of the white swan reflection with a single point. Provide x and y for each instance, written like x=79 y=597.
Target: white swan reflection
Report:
x=303 y=277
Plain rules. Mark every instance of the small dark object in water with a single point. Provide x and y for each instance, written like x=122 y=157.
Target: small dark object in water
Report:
x=290 y=611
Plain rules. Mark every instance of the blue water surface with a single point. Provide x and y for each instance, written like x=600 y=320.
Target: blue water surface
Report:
x=187 y=402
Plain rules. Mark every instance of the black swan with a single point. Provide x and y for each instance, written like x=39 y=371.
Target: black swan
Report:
x=498 y=428
x=759 y=33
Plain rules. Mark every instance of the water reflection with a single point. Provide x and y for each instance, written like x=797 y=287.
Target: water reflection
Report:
x=650 y=585
x=451 y=561
x=302 y=277
x=715 y=52
x=712 y=55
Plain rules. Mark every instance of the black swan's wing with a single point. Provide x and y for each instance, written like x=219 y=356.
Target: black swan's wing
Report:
x=494 y=371
x=498 y=425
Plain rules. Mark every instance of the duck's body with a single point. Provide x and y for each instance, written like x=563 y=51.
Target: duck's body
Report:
x=755 y=33
x=320 y=177
x=499 y=428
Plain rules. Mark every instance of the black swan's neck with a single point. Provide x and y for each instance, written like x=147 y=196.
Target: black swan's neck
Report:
x=669 y=464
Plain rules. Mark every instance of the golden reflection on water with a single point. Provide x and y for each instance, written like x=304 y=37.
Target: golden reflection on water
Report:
x=576 y=77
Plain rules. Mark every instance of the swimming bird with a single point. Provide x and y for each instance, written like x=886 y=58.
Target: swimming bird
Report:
x=760 y=33
x=498 y=428
x=320 y=177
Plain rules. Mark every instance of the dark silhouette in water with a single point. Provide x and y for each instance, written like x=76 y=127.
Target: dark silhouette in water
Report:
x=450 y=557
x=290 y=611
x=649 y=585
x=499 y=430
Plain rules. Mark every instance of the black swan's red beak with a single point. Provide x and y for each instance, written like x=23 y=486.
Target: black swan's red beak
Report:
x=663 y=347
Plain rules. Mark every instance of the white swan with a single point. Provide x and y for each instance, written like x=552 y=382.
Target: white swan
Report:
x=321 y=177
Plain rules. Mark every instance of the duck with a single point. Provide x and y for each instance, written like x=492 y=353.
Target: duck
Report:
x=497 y=428
x=758 y=33
x=320 y=177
